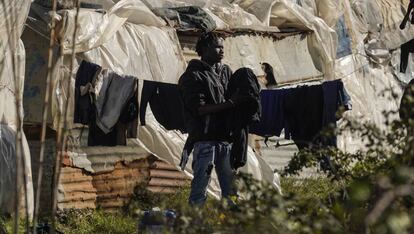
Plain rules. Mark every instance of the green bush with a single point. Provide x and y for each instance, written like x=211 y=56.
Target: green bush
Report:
x=95 y=221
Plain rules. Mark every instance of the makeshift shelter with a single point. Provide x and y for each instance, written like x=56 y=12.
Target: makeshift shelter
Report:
x=303 y=40
x=129 y=45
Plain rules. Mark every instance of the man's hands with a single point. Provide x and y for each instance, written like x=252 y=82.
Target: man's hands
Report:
x=236 y=99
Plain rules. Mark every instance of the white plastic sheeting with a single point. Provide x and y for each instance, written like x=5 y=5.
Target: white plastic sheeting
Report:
x=95 y=28
x=322 y=42
x=235 y=16
x=366 y=73
x=13 y=14
x=370 y=90
x=145 y=52
x=231 y=14
x=286 y=56
x=261 y=9
x=317 y=16
x=381 y=19
x=148 y=53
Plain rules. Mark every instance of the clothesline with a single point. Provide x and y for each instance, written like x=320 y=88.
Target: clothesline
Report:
x=345 y=77
x=7 y=87
x=36 y=31
x=45 y=36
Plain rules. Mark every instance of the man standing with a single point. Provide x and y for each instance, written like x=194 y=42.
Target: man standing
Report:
x=203 y=86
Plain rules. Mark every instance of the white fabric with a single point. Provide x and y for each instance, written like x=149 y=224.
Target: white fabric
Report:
x=261 y=9
x=148 y=53
x=381 y=19
x=250 y=51
x=370 y=91
x=95 y=28
x=12 y=64
x=329 y=11
x=235 y=16
x=322 y=42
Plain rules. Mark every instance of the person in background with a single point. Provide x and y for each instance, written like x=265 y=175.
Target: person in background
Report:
x=203 y=86
x=269 y=75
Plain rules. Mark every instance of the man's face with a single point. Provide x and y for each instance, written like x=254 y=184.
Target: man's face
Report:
x=214 y=53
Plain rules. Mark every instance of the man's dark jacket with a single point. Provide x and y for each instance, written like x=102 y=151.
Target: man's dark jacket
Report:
x=200 y=85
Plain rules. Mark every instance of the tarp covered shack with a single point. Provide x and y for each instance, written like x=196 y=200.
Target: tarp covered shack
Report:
x=303 y=40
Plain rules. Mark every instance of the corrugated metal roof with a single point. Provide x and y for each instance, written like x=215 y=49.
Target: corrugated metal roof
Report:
x=109 y=190
x=165 y=178
x=105 y=176
x=114 y=189
x=76 y=189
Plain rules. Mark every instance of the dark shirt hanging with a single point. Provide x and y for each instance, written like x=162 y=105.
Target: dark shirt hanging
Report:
x=244 y=83
x=84 y=103
x=115 y=113
x=166 y=104
x=273 y=119
x=406 y=49
x=303 y=109
x=335 y=96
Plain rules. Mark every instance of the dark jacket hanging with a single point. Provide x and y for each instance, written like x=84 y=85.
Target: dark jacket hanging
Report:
x=166 y=104
x=84 y=100
x=115 y=111
x=406 y=49
x=243 y=83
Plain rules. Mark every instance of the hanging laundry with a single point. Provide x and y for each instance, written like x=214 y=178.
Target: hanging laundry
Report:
x=335 y=97
x=244 y=83
x=129 y=116
x=115 y=93
x=272 y=120
x=112 y=116
x=303 y=109
x=83 y=98
x=115 y=111
x=166 y=105
x=406 y=49
x=302 y=112
x=125 y=127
